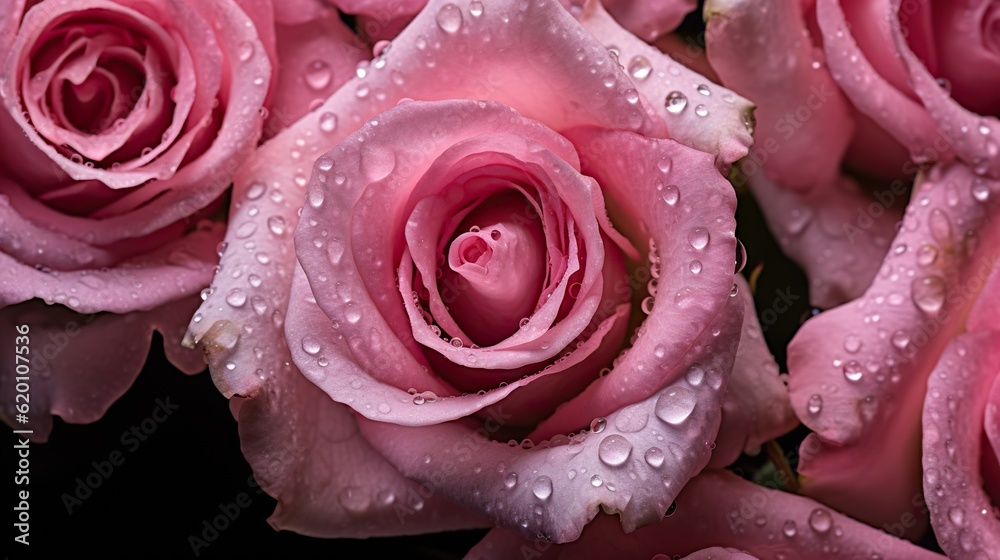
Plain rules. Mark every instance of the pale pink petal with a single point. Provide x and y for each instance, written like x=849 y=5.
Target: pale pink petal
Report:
x=715 y=553
x=633 y=462
x=718 y=508
x=868 y=89
x=426 y=62
x=698 y=113
x=756 y=408
x=672 y=199
x=857 y=372
x=960 y=392
x=838 y=234
x=648 y=19
x=174 y=270
x=316 y=57
x=306 y=452
x=81 y=364
x=973 y=137
x=804 y=123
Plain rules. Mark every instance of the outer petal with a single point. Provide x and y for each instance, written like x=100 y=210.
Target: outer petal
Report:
x=426 y=62
x=648 y=19
x=838 y=234
x=717 y=553
x=81 y=364
x=699 y=114
x=634 y=462
x=306 y=451
x=857 y=372
x=717 y=508
x=974 y=138
x=871 y=93
x=959 y=391
x=804 y=123
x=756 y=408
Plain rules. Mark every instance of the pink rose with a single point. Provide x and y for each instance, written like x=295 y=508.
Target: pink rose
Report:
x=123 y=123
x=868 y=376
x=484 y=220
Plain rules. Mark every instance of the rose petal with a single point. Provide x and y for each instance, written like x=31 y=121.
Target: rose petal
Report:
x=633 y=463
x=718 y=508
x=706 y=117
x=174 y=270
x=306 y=451
x=82 y=364
x=967 y=54
x=786 y=78
x=838 y=234
x=648 y=19
x=973 y=137
x=865 y=86
x=426 y=62
x=857 y=371
x=650 y=192
x=756 y=408
x=963 y=516
x=715 y=553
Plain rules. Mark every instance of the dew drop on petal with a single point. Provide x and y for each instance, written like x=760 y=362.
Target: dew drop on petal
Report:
x=542 y=487
x=236 y=297
x=675 y=102
x=614 y=450
x=597 y=425
x=328 y=122
x=820 y=520
x=310 y=345
x=698 y=238
x=815 y=404
x=449 y=18
x=676 y=404
x=654 y=457
x=671 y=194
x=928 y=293
x=852 y=371
x=789 y=528
x=639 y=67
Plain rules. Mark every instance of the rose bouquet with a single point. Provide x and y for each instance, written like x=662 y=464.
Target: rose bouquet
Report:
x=488 y=276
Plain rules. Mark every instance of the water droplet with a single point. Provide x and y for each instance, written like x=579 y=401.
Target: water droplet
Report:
x=852 y=371
x=671 y=510
x=354 y=499
x=928 y=293
x=647 y=305
x=318 y=74
x=940 y=226
x=695 y=267
x=510 y=480
x=957 y=516
x=695 y=375
x=449 y=18
x=542 y=487
x=676 y=404
x=852 y=343
x=245 y=51
x=675 y=102
x=328 y=122
x=476 y=8
x=703 y=89
x=701 y=111
x=639 y=68
x=820 y=520
x=256 y=190
x=789 y=529
x=698 y=238
x=741 y=256
x=383 y=408
x=980 y=190
x=276 y=224
x=664 y=164
x=900 y=339
x=596 y=481
x=236 y=297
x=654 y=457
x=671 y=194
x=597 y=425
x=614 y=450
x=815 y=404
x=310 y=345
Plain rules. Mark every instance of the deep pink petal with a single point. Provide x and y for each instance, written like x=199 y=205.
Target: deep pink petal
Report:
x=306 y=451
x=81 y=364
x=426 y=62
x=633 y=462
x=960 y=390
x=838 y=234
x=718 y=508
x=804 y=122
x=698 y=114
x=756 y=408
x=968 y=52
x=858 y=371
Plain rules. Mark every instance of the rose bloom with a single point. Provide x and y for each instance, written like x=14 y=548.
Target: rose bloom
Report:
x=489 y=283
x=907 y=88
